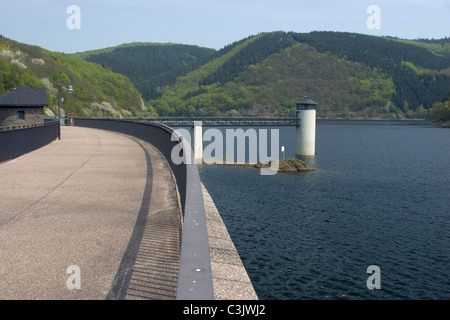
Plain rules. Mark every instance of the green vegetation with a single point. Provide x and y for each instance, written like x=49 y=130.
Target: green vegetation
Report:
x=402 y=61
x=149 y=65
x=439 y=47
x=441 y=110
x=349 y=75
x=273 y=84
x=253 y=50
x=97 y=91
x=341 y=88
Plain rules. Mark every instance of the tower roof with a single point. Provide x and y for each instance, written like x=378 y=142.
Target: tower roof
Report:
x=306 y=100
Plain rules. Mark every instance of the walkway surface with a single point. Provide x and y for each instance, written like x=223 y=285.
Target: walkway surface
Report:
x=96 y=215
x=81 y=213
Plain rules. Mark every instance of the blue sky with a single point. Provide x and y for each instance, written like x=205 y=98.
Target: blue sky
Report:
x=209 y=23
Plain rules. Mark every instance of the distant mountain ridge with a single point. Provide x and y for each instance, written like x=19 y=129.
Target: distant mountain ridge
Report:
x=349 y=75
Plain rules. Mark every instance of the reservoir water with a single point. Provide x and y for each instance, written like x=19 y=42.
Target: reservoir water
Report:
x=379 y=195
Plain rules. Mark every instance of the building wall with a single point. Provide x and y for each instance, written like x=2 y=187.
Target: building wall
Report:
x=34 y=116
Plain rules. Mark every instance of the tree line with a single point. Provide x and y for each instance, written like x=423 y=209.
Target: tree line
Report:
x=413 y=89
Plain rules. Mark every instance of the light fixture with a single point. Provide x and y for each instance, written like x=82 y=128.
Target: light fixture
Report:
x=70 y=91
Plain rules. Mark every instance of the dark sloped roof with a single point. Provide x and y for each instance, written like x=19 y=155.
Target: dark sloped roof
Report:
x=306 y=100
x=24 y=97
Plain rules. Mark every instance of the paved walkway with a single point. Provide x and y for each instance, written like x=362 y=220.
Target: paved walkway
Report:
x=77 y=215
x=96 y=215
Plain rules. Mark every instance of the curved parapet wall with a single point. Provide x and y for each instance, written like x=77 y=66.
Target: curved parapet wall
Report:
x=195 y=276
x=15 y=143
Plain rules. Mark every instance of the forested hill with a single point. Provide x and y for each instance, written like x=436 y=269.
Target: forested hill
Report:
x=98 y=92
x=349 y=75
x=149 y=65
x=419 y=70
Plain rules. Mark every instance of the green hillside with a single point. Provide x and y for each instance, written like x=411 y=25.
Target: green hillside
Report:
x=149 y=65
x=273 y=86
x=349 y=75
x=440 y=47
x=420 y=75
x=97 y=91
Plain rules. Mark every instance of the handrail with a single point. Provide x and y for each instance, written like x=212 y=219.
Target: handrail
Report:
x=194 y=276
x=224 y=121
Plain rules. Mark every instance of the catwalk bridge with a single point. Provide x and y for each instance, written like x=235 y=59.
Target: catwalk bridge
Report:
x=304 y=121
x=217 y=122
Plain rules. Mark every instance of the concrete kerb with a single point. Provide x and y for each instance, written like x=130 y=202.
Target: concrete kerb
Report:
x=230 y=279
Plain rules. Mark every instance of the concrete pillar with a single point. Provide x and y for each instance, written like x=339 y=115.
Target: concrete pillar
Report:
x=197 y=141
x=305 y=144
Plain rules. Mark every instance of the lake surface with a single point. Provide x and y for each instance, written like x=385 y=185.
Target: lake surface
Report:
x=379 y=195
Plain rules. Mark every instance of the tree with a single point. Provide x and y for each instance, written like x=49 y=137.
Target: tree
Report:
x=421 y=112
x=441 y=111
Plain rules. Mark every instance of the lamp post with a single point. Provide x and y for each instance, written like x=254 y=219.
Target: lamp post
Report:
x=69 y=90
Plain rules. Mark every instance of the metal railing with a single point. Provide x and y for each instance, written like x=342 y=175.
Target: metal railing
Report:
x=195 y=277
x=223 y=121
x=15 y=142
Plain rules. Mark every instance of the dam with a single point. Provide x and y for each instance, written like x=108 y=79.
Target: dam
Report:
x=107 y=205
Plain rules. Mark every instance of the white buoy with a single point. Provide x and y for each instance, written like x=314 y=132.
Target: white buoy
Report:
x=306 y=127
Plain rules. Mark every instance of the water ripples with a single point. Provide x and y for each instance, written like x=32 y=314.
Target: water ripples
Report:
x=313 y=235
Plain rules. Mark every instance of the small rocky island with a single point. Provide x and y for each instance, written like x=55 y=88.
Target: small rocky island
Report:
x=287 y=165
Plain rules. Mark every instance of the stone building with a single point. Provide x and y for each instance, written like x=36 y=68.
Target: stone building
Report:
x=22 y=108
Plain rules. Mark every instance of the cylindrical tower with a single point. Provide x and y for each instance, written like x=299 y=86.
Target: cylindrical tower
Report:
x=306 y=127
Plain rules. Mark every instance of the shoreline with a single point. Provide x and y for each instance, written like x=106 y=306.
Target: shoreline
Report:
x=442 y=124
